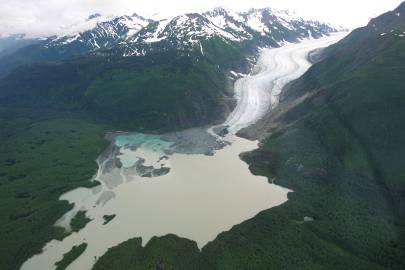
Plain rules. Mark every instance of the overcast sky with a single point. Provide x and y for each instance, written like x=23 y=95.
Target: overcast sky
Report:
x=46 y=17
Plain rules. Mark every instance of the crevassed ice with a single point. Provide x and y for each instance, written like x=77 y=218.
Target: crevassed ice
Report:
x=256 y=94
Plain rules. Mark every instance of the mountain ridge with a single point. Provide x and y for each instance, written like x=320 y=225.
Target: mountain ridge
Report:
x=135 y=35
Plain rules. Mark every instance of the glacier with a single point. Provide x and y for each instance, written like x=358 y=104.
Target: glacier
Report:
x=259 y=92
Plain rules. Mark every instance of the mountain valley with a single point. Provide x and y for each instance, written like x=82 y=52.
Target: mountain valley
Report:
x=77 y=108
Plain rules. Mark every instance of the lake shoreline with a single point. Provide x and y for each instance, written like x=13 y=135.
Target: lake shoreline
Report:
x=192 y=148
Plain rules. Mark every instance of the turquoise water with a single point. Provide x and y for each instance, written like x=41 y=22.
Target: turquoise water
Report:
x=147 y=141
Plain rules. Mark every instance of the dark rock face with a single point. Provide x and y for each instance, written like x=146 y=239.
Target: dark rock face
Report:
x=149 y=171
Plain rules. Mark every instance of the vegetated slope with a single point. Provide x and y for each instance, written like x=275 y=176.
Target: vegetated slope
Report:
x=154 y=93
x=66 y=92
x=39 y=161
x=340 y=151
x=138 y=74
x=105 y=33
x=71 y=256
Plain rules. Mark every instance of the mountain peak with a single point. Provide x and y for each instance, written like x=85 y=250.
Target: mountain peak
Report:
x=389 y=22
x=137 y=16
x=220 y=10
x=131 y=35
x=93 y=16
x=401 y=7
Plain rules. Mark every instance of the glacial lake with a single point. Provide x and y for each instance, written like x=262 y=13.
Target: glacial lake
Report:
x=198 y=198
x=190 y=183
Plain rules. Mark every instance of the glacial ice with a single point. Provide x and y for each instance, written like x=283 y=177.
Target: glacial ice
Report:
x=259 y=92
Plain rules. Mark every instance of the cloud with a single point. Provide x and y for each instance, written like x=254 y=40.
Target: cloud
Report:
x=47 y=17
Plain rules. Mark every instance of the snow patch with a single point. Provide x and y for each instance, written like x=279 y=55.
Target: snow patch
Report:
x=234 y=73
x=155 y=37
x=201 y=48
x=256 y=24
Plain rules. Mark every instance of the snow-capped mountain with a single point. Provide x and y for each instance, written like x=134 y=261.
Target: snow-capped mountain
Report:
x=268 y=21
x=105 y=34
x=135 y=35
x=187 y=30
x=183 y=32
x=263 y=27
x=229 y=21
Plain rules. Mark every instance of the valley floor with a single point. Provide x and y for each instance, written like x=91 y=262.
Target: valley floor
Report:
x=336 y=218
x=254 y=94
